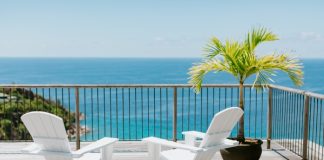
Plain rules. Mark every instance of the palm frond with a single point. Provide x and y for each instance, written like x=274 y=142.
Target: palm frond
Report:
x=267 y=65
x=198 y=71
x=214 y=48
x=258 y=36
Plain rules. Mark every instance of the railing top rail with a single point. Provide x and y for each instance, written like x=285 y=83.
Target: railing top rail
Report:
x=298 y=91
x=111 y=85
x=293 y=90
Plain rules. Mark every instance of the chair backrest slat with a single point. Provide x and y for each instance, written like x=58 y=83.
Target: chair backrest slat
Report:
x=47 y=130
x=221 y=126
x=219 y=129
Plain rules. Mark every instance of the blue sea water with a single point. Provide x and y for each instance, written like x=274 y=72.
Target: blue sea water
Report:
x=129 y=71
x=144 y=71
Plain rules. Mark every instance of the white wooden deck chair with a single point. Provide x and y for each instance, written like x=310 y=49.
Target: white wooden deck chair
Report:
x=50 y=139
x=211 y=141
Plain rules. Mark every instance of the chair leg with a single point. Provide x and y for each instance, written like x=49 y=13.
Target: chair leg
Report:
x=154 y=151
x=106 y=152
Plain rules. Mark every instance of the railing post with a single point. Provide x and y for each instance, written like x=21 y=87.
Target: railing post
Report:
x=175 y=104
x=269 y=124
x=305 y=138
x=77 y=118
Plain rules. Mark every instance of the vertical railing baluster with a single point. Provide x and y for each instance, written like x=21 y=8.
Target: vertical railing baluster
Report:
x=316 y=130
x=123 y=113
x=3 y=109
x=56 y=101
x=110 y=112
x=182 y=106
x=148 y=111
x=195 y=114
x=213 y=102
x=269 y=125
x=154 y=113
x=161 y=112
x=219 y=99
x=104 y=107
x=262 y=105
x=309 y=146
x=36 y=98
x=85 y=112
x=201 y=109
x=322 y=130
x=91 y=92
x=225 y=96
x=237 y=101
x=98 y=114
x=24 y=107
x=135 y=90
x=207 y=115
x=30 y=98
x=77 y=118
x=43 y=98
x=129 y=114
x=167 y=111
x=250 y=107
x=256 y=113
x=188 y=109
x=116 y=103
x=175 y=118
x=62 y=97
x=305 y=132
x=142 y=102
x=313 y=126
x=13 y=113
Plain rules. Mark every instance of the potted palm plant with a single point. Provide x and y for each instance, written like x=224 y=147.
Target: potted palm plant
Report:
x=240 y=60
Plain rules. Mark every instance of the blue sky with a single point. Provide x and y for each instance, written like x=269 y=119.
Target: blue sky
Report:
x=149 y=28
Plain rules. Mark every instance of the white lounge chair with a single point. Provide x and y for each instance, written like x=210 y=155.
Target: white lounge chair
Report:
x=212 y=141
x=50 y=139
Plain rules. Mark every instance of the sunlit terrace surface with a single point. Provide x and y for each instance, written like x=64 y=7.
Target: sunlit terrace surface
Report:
x=130 y=150
x=287 y=120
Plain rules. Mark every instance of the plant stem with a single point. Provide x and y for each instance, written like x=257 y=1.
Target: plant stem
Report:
x=240 y=135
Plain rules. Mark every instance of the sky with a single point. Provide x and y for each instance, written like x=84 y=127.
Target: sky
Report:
x=152 y=28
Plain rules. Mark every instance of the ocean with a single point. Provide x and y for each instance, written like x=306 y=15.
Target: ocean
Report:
x=130 y=71
x=145 y=71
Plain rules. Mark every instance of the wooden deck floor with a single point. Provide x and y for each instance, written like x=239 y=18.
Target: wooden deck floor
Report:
x=131 y=151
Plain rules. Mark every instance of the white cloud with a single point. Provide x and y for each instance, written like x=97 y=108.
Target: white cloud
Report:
x=311 y=36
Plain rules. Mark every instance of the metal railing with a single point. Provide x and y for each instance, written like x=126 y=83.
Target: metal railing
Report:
x=292 y=118
x=297 y=122
x=131 y=112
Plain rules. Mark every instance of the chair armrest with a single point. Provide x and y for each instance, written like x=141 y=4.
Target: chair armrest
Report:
x=172 y=144
x=191 y=137
x=194 y=134
x=94 y=146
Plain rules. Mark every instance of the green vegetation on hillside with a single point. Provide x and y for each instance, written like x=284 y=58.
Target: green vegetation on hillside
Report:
x=21 y=101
